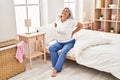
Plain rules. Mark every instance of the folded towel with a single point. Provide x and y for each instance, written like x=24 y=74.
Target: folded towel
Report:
x=20 y=51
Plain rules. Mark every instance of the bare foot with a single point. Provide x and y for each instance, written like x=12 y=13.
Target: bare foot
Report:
x=54 y=73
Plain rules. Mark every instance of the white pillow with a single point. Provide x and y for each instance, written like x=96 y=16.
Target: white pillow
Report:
x=88 y=34
x=50 y=32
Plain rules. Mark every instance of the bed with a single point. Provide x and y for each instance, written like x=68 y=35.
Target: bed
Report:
x=98 y=50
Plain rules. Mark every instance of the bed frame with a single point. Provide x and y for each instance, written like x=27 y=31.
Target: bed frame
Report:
x=67 y=57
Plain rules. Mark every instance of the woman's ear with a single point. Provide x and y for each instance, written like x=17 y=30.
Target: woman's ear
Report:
x=60 y=16
x=69 y=15
x=55 y=24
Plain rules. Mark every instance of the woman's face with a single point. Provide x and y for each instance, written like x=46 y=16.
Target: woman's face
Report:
x=66 y=13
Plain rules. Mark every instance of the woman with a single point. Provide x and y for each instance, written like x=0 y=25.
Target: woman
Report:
x=65 y=30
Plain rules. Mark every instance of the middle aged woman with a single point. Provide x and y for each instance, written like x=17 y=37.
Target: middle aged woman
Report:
x=65 y=30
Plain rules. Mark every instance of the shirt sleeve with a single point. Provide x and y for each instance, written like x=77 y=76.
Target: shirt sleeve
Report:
x=73 y=23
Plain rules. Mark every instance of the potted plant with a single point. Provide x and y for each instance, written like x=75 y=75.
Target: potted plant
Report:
x=101 y=17
x=112 y=29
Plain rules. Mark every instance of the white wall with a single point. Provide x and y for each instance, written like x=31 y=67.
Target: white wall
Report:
x=54 y=9
x=87 y=10
x=44 y=12
x=92 y=10
x=7 y=20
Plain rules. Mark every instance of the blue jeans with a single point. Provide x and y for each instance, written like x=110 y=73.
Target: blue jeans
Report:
x=58 y=60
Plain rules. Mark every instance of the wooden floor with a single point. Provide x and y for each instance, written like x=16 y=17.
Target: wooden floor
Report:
x=71 y=71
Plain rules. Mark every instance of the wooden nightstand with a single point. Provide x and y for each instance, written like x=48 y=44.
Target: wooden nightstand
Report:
x=34 y=41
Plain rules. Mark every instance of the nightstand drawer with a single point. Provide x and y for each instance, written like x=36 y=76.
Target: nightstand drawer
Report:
x=21 y=38
x=32 y=39
x=41 y=37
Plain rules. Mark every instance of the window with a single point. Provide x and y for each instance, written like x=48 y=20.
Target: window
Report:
x=27 y=9
x=77 y=8
x=71 y=4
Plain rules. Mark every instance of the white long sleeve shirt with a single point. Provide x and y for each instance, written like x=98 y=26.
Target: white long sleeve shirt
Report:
x=64 y=29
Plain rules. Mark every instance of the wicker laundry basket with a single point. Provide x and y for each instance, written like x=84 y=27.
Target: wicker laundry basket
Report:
x=9 y=65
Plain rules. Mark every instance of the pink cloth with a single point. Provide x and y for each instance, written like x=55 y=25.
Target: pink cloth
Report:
x=20 y=51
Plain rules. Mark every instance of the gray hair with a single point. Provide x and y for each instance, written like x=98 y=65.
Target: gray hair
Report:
x=71 y=14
